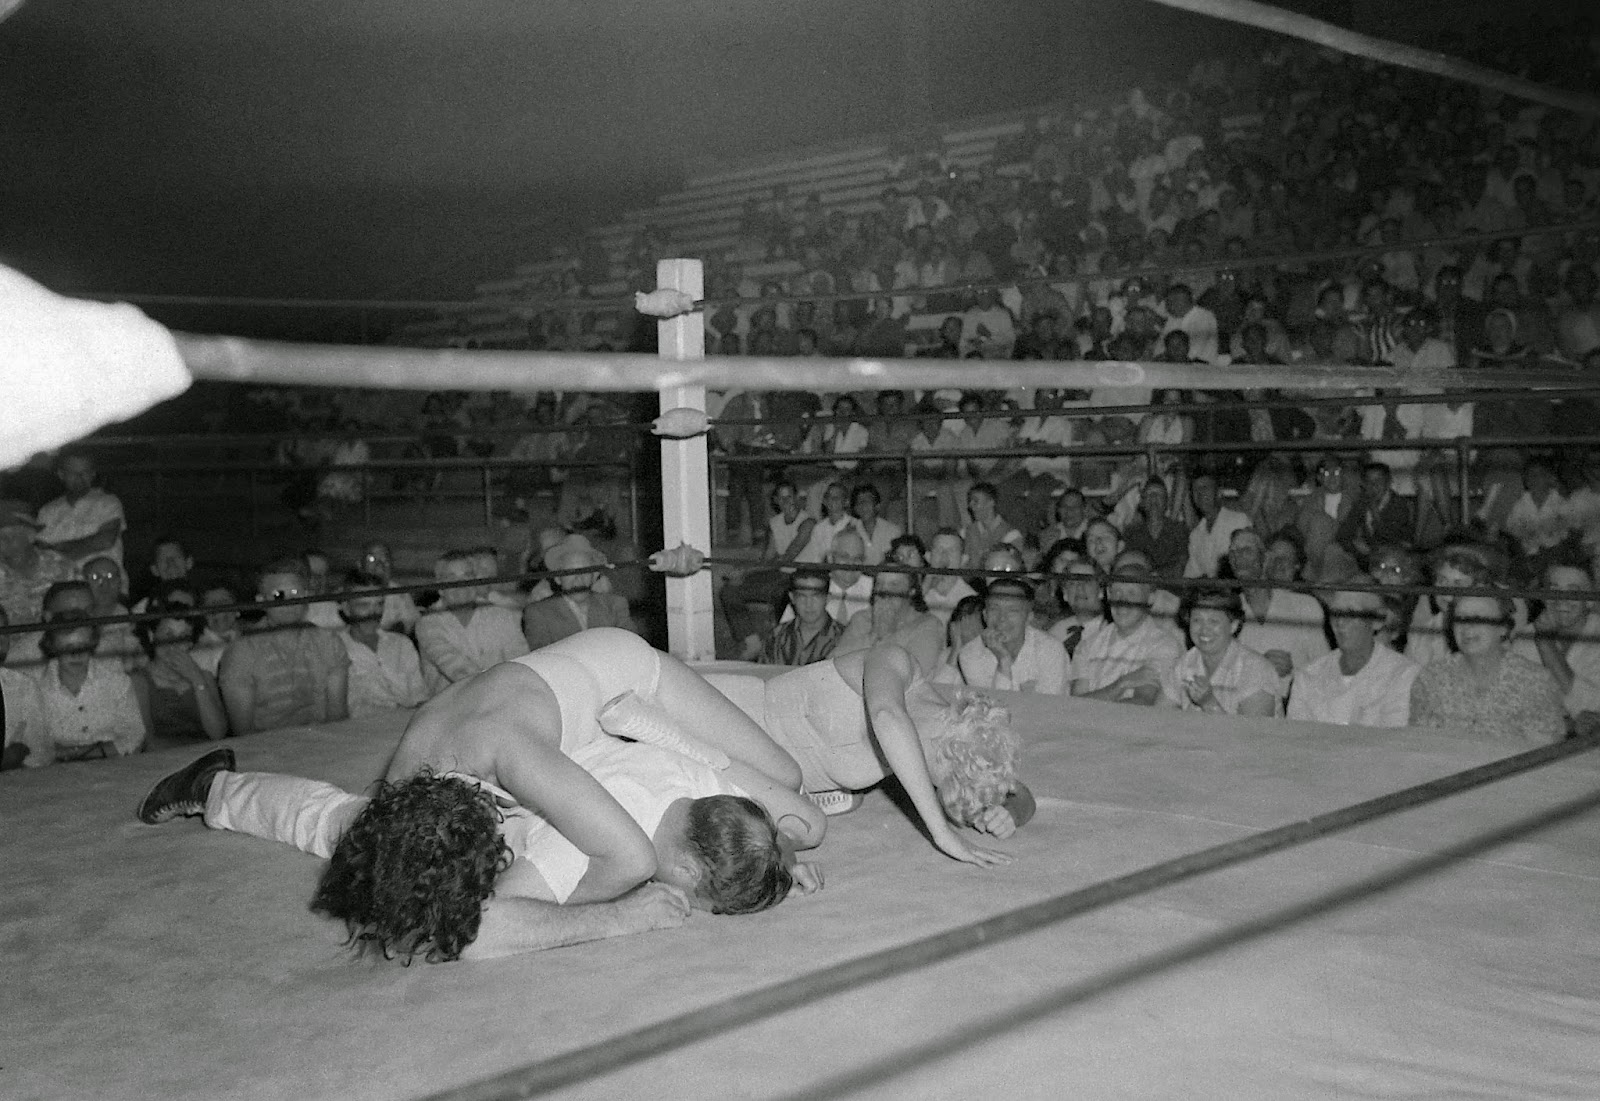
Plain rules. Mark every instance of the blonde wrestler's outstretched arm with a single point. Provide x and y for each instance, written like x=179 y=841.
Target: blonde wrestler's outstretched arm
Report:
x=885 y=677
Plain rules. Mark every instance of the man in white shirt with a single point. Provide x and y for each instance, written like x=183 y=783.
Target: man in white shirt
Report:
x=1136 y=659
x=1363 y=682
x=1566 y=642
x=462 y=638
x=84 y=522
x=849 y=591
x=1182 y=314
x=1538 y=520
x=385 y=672
x=1010 y=654
x=1213 y=534
x=1281 y=625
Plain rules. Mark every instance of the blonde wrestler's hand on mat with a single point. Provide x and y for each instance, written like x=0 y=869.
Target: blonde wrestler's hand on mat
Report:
x=653 y=906
x=996 y=822
x=807 y=878
x=957 y=849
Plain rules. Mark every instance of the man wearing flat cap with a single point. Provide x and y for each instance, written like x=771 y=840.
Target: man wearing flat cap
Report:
x=574 y=605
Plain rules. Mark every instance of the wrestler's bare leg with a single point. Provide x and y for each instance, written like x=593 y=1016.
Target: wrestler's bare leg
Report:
x=718 y=721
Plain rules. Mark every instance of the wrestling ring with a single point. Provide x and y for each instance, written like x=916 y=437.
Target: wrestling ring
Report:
x=1203 y=907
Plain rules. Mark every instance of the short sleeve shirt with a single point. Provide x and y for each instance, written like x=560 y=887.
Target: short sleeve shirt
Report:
x=288 y=670
x=61 y=520
x=1242 y=673
x=1111 y=654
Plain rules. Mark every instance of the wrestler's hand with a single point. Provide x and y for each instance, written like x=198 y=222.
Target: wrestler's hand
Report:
x=995 y=821
x=653 y=906
x=807 y=878
x=957 y=849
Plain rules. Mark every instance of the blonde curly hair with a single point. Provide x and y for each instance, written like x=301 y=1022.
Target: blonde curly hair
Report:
x=972 y=752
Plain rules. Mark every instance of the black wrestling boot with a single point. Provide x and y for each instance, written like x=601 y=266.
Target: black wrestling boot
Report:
x=184 y=792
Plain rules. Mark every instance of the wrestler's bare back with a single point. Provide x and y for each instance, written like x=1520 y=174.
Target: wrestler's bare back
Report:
x=471 y=726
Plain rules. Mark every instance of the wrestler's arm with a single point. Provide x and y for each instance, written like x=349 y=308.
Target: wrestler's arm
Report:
x=798 y=818
x=885 y=677
x=511 y=925
x=542 y=778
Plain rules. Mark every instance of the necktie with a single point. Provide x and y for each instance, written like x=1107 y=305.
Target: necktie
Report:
x=1074 y=636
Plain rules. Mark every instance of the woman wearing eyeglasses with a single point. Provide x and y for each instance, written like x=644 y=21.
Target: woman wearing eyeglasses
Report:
x=1484 y=689
x=90 y=706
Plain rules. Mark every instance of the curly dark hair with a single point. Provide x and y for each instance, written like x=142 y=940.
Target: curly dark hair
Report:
x=745 y=870
x=411 y=874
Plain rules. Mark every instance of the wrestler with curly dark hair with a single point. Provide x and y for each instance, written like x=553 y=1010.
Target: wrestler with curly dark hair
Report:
x=525 y=808
x=412 y=872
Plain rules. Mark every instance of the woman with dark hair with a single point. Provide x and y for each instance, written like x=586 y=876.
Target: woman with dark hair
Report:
x=1219 y=673
x=185 y=703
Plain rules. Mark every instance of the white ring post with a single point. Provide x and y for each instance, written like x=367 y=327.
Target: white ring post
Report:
x=686 y=473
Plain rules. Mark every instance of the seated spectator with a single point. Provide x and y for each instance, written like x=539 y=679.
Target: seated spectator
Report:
x=1396 y=565
x=221 y=627
x=836 y=518
x=850 y=591
x=1213 y=530
x=1071 y=519
x=1083 y=596
x=90 y=706
x=1363 y=682
x=385 y=672
x=185 y=704
x=1484 y=689
x=1267 y=500
x=1283 y=626
x=117 y=640
x=400 y=612
x=880 y=533
x=988 y=328
x=26 y=571
x=789 y=527
x=84 y=522
x=897 y=615
x=1566 y=642
x=1538 y=520
x=1011 y=654
x=169 y=561
x=943 y=592
x=1156 y=534
x=283 y=671
x=505 y=594
x=1182 y=314
x=1578 y=322
x=1384 y=515
x=809 y=634
x=321 y=613
x=1220 y=674
x=1455 y=568
x=986 y=528
x=460 y=638
x=24 y=740
x=1329 y=519
x=1136 y=659
x=1102 y=541
x=575 y=606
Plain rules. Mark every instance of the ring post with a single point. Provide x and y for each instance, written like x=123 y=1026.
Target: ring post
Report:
x=685 y=472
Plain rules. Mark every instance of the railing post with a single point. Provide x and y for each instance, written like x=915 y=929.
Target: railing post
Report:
x=255 y=511
x=686 y=473
x=1463 y=487
x=488 y=503
x=911 y=500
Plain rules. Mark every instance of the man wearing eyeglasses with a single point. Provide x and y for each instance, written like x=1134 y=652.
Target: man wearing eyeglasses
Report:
x=1011 y=654
x=1363 y=682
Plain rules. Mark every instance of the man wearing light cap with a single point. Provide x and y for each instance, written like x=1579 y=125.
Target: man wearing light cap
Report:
x=575 y=605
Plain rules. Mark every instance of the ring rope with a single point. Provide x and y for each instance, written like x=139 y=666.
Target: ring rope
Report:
x=591 y=1062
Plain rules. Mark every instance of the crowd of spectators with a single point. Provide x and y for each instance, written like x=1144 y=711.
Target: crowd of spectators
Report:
x=198 y=671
